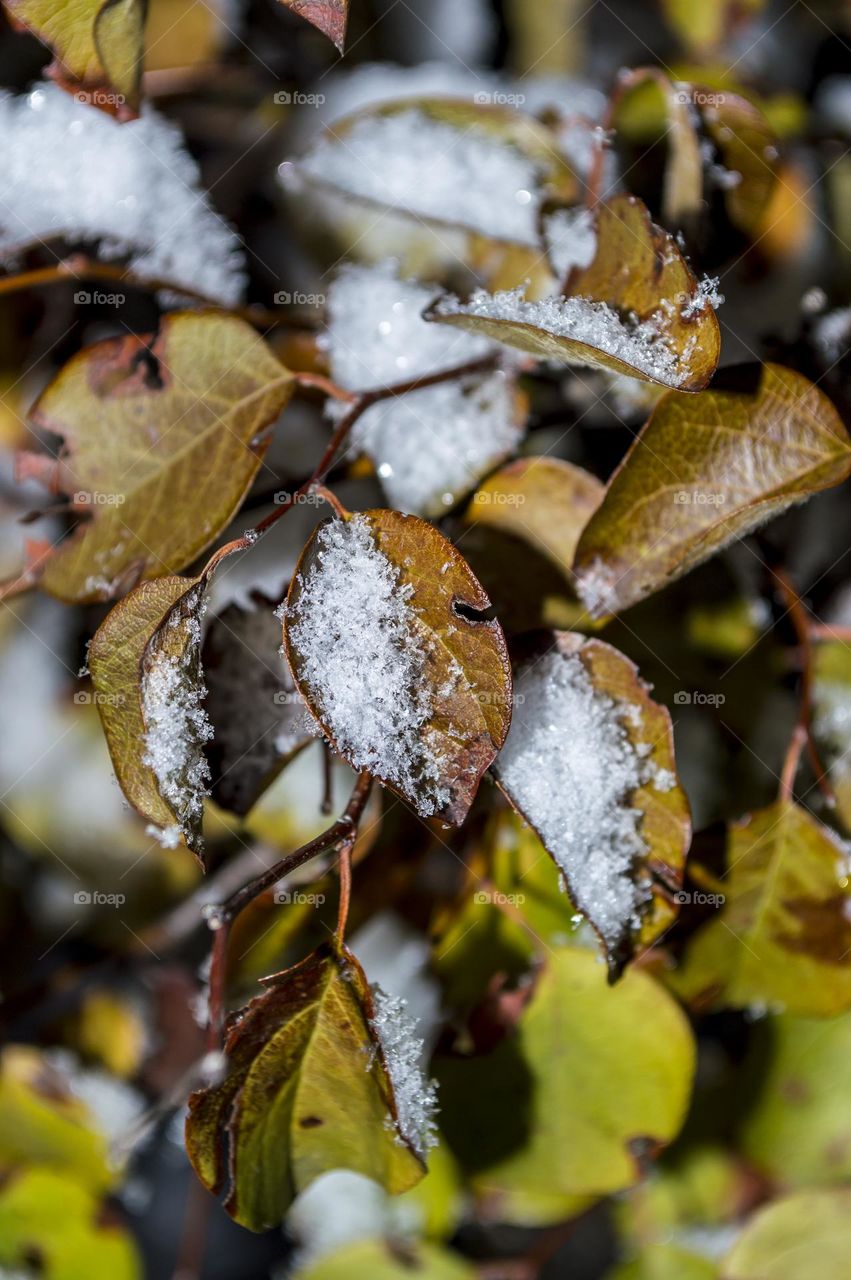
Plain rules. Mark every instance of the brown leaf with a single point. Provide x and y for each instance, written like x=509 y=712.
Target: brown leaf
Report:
x=704 y=471
x=329 y=16
x=385 y=646
x=162 y=438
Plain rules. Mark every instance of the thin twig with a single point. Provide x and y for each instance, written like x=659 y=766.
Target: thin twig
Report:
x=802 y=623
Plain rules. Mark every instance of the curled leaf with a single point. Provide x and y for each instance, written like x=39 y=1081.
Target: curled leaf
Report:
x=804 y=1236
x=145 y=667
x=162 y=438
x=328 y=16
x=308 y=1089
x=386 y=647
x=636 y=309
x=703 y=471
x=782 y=936
x=589 y=763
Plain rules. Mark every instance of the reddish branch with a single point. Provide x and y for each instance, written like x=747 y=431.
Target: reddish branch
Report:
x=803 y=734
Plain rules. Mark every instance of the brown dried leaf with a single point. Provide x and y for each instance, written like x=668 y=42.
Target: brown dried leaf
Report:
x=329 y=16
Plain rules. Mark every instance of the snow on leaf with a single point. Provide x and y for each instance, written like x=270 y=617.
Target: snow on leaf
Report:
x=483 y=168
x=589 y=763
x=432 y=445
x=416 y=1097
x=98 y=46
x=633 y=310
x=145 y=667
x=403 y=683
x=132 y=188
x=305 y=1055
x=162 y=438
x=702 y=472
x=570 y=240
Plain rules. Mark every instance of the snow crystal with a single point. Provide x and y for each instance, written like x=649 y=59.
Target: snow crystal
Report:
x=401 y=1047
x=570 y=766
x=707 y=295
x=132 y=186
x=571 y=240
x=363 y=660
x=176 y=723
x=168 y=837
x=429 y=169
x=637 y=343
x=434 y=441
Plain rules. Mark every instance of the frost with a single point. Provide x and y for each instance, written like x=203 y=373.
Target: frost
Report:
x=167 y=837
x=570 y=766
x=132 y=186
x=364 y=662
x=401 y=1047
x=423 y=167
x=638 y=343
x=176 y=723
x=707 y=295
x=435 y=441
x=570 y=239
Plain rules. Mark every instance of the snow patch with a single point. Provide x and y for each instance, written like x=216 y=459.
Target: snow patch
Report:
x=570 y=239
x=401 y=1047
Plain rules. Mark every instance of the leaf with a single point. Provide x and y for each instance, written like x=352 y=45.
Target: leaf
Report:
x=259 y=719
x=307 y=1091
x=666 y=1262
x=589 y=764
x=702 y=28
x=783 y=935
x=387 y=647
x=162 y=439
x=43 y=1123
x=519 y=534
x=747 y=146
x=329 y=16
x=373 y=1260
x=636 y=309
x=98 y=46
x=805 y=1236
x=145 y=667
x=831 y=695
x=595 y=1079
x=702 y=473
x=797 y=1127
x=48 y=1215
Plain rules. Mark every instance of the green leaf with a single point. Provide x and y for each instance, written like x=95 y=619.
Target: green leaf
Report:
x=665 y=1262
x=703 y=472
x=643 y=280
x=783 y=935
x=372 y=1260
x=162 y=439
x=98 y=46
x=42 y=1123
x=797 y=1128
x=746 y=145
x=583 y=713
x=436 y=681
x=593 y=1081
x=329 y=16
x=50 y=1216
x=145 y=667
x=805 y=1236
x=307 y=1091
x=521 y=528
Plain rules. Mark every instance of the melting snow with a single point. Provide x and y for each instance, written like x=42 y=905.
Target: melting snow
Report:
x=66 y=169
x=571 y=240
x=363 y=660
x=570 y=766
x=640 y=344
x=416 y=1096
x=424 y=167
